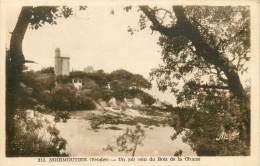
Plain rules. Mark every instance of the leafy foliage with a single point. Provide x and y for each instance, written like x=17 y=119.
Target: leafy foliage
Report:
x=48 y=70
x=29 y=140
x=65 y=97
x=41 y=15
x=129 y=80
x=39 y=88
x=181 y=63
x=35 y=89
x=125 y=84
x=200 y=80
x=35 y=17
x=119 y=84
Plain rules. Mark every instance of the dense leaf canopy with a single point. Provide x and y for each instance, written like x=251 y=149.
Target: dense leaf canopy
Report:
x=205 y=51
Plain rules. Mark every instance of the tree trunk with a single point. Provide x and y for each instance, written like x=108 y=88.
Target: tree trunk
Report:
x=14 y=69
x=213 y=56
x=210 y=55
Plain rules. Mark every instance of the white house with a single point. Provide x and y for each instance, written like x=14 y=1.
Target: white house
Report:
x=77 y=82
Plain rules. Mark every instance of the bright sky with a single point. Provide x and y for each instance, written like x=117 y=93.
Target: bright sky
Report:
x=93 y=37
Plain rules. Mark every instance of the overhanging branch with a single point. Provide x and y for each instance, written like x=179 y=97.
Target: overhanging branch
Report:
x=156 y=25
x=206 y=86
x=203 y=49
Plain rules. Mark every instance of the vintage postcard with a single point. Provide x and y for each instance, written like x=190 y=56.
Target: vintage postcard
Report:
x=130 y=82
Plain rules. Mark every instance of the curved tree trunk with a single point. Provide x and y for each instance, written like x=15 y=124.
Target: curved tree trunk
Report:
x=210 y=55
x=213 y=56
x=15 y=62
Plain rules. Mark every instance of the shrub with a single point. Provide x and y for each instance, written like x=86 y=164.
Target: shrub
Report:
x=145 y=98
x=67 y=98
x=36 y=136
x=63 y=97
x=61 y=115
x=84 y=103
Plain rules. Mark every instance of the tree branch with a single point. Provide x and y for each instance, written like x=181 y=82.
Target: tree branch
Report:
x=210 y=55
x=203 y=49
x=206 y=86
x=156 y=25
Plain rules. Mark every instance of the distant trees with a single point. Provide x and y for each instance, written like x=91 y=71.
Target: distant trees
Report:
x=100 y=77
x=65 y=97
x=34 y=89
x=48 y=70
x=119 y=84
x=125 y=84
x=91 y=89
x=38 y=88
x=129 y=80
x=145 y=98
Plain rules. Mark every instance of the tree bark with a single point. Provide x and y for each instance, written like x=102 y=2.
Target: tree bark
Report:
x=210 y=55
x=14 y=69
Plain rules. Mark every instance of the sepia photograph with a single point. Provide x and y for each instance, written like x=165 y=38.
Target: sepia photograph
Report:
x=128 y=80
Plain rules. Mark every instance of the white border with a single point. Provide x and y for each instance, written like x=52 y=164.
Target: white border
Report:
x=252 y=160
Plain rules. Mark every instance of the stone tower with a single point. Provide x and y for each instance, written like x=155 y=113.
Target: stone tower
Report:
x=62 y=64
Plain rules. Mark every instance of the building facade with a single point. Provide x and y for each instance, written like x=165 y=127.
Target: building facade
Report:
x=78 y=83
x=62 y=64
